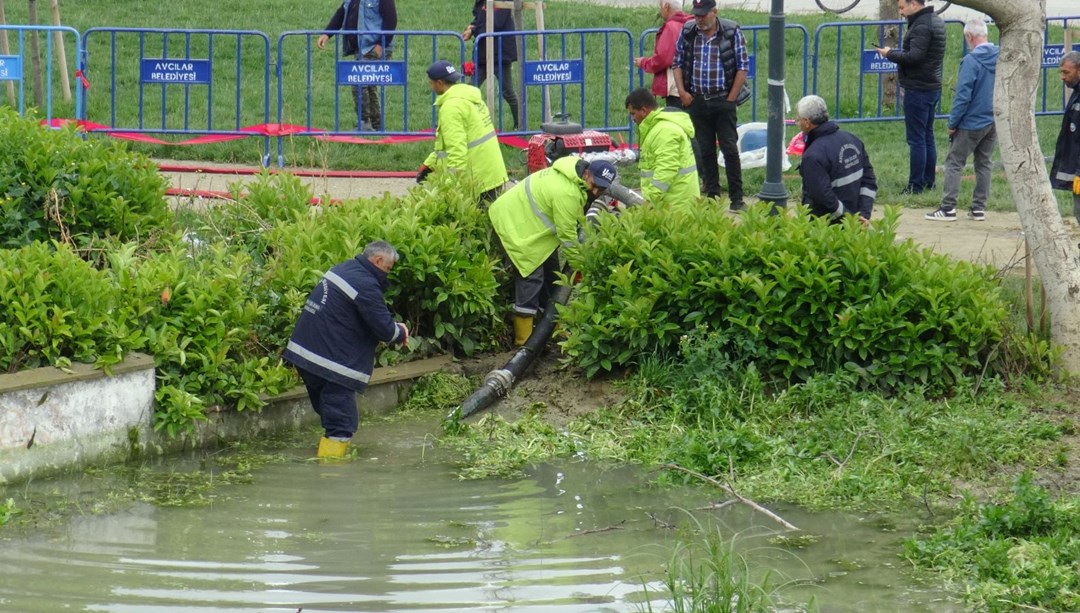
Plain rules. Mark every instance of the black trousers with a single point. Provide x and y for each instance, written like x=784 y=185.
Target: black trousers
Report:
x=715 y=120
x=335 y=404
x=505 y=76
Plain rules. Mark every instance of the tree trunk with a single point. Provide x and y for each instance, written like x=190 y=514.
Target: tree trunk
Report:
x=1021 y=23
x=888 y=36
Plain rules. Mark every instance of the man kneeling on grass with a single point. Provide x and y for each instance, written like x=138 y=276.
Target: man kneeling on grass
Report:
x=837 y=176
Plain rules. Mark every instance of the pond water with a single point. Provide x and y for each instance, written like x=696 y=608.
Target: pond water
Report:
x=397 y=531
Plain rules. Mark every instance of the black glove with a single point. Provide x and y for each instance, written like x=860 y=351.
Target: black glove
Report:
x=422 y=175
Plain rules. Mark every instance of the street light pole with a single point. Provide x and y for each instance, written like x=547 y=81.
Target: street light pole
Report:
x=773 y=189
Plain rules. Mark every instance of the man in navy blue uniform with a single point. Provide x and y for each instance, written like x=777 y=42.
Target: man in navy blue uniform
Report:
x=1065 y=173
x=333 y=344
x=838 y=178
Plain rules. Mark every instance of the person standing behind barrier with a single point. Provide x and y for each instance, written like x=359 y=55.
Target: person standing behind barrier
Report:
x=333 y=343
x=711 y=65
x=667 y=162
x=505 y=49
x=659 y=63
x=837 y=176
x=537 y=216
x=365 y=17
x=971 y=124
x=1065 y=173
x=465 y=140
x=919 y=64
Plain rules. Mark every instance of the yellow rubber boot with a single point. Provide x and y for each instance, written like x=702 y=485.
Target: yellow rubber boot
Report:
x=329 y=448
x=523 y=327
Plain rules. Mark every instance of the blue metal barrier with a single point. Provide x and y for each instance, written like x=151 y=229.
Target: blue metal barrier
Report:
x=572 y=64
x=320 y=92
x=1051 y=87
x=847 y=96
x=752 y=33
x=16 y=68
x=166 y=81
x=849 y=101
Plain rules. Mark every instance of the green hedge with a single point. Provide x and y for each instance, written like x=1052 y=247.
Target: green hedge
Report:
x=446 y=285
x=56 y=185
x=57 y=309
x=791 y=293
x=198 y=313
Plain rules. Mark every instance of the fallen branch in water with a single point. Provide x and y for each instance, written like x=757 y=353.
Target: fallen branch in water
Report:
x=596 y=531
x=730 y=490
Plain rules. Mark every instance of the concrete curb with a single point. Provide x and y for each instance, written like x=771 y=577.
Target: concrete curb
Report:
x=55 y=420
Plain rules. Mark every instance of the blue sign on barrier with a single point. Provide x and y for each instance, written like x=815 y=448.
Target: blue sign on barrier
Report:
x=1052 y=55
x=371 y=73
x=874 y=63
x=10 y=68
x=166 y=70
x=553 y=72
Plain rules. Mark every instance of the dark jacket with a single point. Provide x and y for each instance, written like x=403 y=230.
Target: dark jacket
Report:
x=1067 y=152
x=347 y=20
x=973 y=105
x=835 y=169
x=505 y=47
x=922 y=51
x=343 y=320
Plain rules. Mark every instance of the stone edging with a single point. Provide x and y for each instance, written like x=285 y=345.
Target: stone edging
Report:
x=53 y=420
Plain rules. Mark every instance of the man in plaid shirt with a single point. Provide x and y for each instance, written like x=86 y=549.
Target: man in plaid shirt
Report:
x=710 y=69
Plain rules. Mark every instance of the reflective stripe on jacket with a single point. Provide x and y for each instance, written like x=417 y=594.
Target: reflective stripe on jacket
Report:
x=465 y=139
x=343 y=320
x=835 y=169
x=539 y=214
x=668 y=170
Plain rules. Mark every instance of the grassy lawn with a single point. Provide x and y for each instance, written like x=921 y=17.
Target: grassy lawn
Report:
x=855 y=95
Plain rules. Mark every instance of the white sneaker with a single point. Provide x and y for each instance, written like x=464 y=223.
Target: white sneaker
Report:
x=941 y=215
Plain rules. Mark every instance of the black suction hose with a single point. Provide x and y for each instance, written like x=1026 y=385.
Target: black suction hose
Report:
x=498 y=382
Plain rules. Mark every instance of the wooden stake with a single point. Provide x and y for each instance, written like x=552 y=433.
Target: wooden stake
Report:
x=543 y=56
x=5 y=49
x=489 y=50
x=35 y=57
x=61 y=55
x=1029 y=306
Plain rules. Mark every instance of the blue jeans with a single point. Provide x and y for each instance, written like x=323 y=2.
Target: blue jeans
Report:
x=919 y=108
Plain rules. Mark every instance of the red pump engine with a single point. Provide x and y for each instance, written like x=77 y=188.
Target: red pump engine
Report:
x=563 y=137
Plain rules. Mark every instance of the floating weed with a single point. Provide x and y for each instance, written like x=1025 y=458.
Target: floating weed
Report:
x=451 y=542
x=109 y=489
x=795 y=541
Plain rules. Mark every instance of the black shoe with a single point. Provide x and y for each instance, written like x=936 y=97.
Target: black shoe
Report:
x=911 y=190
x=737 y=207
